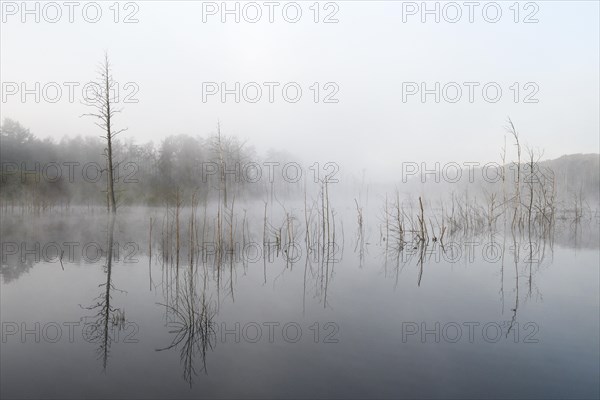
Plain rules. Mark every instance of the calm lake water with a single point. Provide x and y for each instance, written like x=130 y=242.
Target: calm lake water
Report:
x=487 y=314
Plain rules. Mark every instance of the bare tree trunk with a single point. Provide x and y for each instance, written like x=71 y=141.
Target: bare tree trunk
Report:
x=222 y=165
x=104 y=112
x=517 y=197
x=109 y=155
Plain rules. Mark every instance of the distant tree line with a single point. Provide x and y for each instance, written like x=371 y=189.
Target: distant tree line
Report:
x=43 y=173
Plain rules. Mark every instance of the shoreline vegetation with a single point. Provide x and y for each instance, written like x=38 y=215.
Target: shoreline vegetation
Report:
x=41 y=175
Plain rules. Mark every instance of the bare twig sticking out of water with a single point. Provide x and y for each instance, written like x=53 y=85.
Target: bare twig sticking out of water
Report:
x=150 y=240
x=61 y=258
x=517 y=197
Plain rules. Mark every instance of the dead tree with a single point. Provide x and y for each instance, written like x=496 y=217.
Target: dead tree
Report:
x=517 y=196
x=531 y=181
x=103 y=102
x=222 y=174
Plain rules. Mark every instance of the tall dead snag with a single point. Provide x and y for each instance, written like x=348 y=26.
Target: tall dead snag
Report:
x=517 y=197
x=103 y=103
x=503 y=172
x=222 y=176
x=531 y=180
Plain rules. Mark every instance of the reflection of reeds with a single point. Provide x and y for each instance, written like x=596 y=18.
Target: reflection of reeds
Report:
x=192 y=324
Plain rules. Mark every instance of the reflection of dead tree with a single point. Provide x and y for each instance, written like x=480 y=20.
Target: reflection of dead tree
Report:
x=194 y=329
x=360 y=236
x=107 y=316
x=532 y=179
x=516 y=262
x=421 y=260
x=502 y=268
x=397 y=225
x=320 y=239
x=359 y=216
x=307 y=220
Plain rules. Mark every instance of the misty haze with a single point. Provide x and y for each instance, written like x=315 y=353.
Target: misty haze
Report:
x=344 y=199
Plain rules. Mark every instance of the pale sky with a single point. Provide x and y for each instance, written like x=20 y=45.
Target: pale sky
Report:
x=368 y=55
